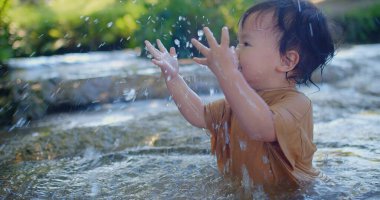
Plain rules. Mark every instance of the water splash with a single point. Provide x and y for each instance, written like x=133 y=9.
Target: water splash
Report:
x=311 y=30
x=246 y=181
x=177 y=42
x=299 y=6
x=212 y=92
x=243 y=145
x=129 y=95
x=200 y=33
x=102 y=44
x=265 y=159
x=226 y=134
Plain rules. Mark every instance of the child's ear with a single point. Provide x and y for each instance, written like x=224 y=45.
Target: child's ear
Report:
x=288 y=61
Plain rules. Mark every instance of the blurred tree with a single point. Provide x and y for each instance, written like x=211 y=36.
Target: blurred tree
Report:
x=62 y=26
x=5 y=50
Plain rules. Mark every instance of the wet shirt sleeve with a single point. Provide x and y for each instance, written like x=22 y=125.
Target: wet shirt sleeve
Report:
x=217 y=114
x=294 y=129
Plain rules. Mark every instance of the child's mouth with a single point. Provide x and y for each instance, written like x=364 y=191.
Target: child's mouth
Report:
x=240 y=68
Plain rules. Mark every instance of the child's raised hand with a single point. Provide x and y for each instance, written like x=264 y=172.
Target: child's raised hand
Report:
x=219 y=58
x=167 y=61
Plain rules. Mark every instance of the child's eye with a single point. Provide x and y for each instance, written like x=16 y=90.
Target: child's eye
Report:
x=246 y=44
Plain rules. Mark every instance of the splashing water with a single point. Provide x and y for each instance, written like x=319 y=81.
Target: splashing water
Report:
x=311 y=30
x=177 y=42
x=200 y=34
x=243 y=145
x=299 y=6
x=129 y=95
x=55 y=163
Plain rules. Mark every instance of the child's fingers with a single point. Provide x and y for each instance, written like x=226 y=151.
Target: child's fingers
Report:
x=159 y=63
x=161 y=46
x=201 y=61
x=210 y=38
x=202 y=48
x=152 y=50
x=225 y=38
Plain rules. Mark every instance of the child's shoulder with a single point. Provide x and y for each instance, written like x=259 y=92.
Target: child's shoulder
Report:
x=289 y=101
x=289 y=95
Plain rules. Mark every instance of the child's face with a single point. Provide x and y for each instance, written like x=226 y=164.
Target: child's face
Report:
x=258 y=50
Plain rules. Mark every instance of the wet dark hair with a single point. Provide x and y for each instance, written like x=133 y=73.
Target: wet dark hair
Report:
x=304 y=28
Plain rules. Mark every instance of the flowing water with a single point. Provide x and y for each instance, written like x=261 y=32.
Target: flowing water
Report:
x=145 y=150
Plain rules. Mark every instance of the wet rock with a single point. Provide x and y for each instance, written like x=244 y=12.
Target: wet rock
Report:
x=335 y=71
x=128 y=78
x=28 y=101
x=373 y=87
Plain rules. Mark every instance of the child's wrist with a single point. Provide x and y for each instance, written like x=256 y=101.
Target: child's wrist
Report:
x=227 y=73
x=172 y=78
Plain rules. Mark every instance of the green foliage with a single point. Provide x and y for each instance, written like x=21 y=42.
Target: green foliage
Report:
x=40 y=27
x=60 y=26
x=175 y=22
x=72 y=26
x=6 y=49
x=361 y=25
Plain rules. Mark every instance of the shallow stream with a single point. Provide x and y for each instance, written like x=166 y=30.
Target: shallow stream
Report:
x=145 y=150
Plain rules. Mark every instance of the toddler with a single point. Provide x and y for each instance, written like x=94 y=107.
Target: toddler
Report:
x=263 y=129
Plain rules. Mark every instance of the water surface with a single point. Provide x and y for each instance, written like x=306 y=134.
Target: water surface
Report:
x=146 y=150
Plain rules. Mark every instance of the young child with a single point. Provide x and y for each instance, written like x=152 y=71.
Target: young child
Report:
x=263 y=129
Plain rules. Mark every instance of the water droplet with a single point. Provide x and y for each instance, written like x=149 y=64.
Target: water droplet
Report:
x=311 y=30
x=129 y=95
x=243 y=145
x=79 y=45
x=226 y=134
x=265 y=159
x=96 y=21
x=86 y=19
x=246 y=181
x=146 y=93
x=101 y=45
x=212 y=91
x=299 y=6
x=176 y=42
x=109 y=24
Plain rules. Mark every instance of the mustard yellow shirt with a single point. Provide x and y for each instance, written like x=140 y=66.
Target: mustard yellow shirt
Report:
x=288 y=161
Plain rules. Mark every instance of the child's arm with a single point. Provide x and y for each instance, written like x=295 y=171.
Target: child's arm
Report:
x=252 y=112
x=189 y=103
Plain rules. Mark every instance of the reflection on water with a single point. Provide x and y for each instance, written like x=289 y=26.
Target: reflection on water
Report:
x=145 y=150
